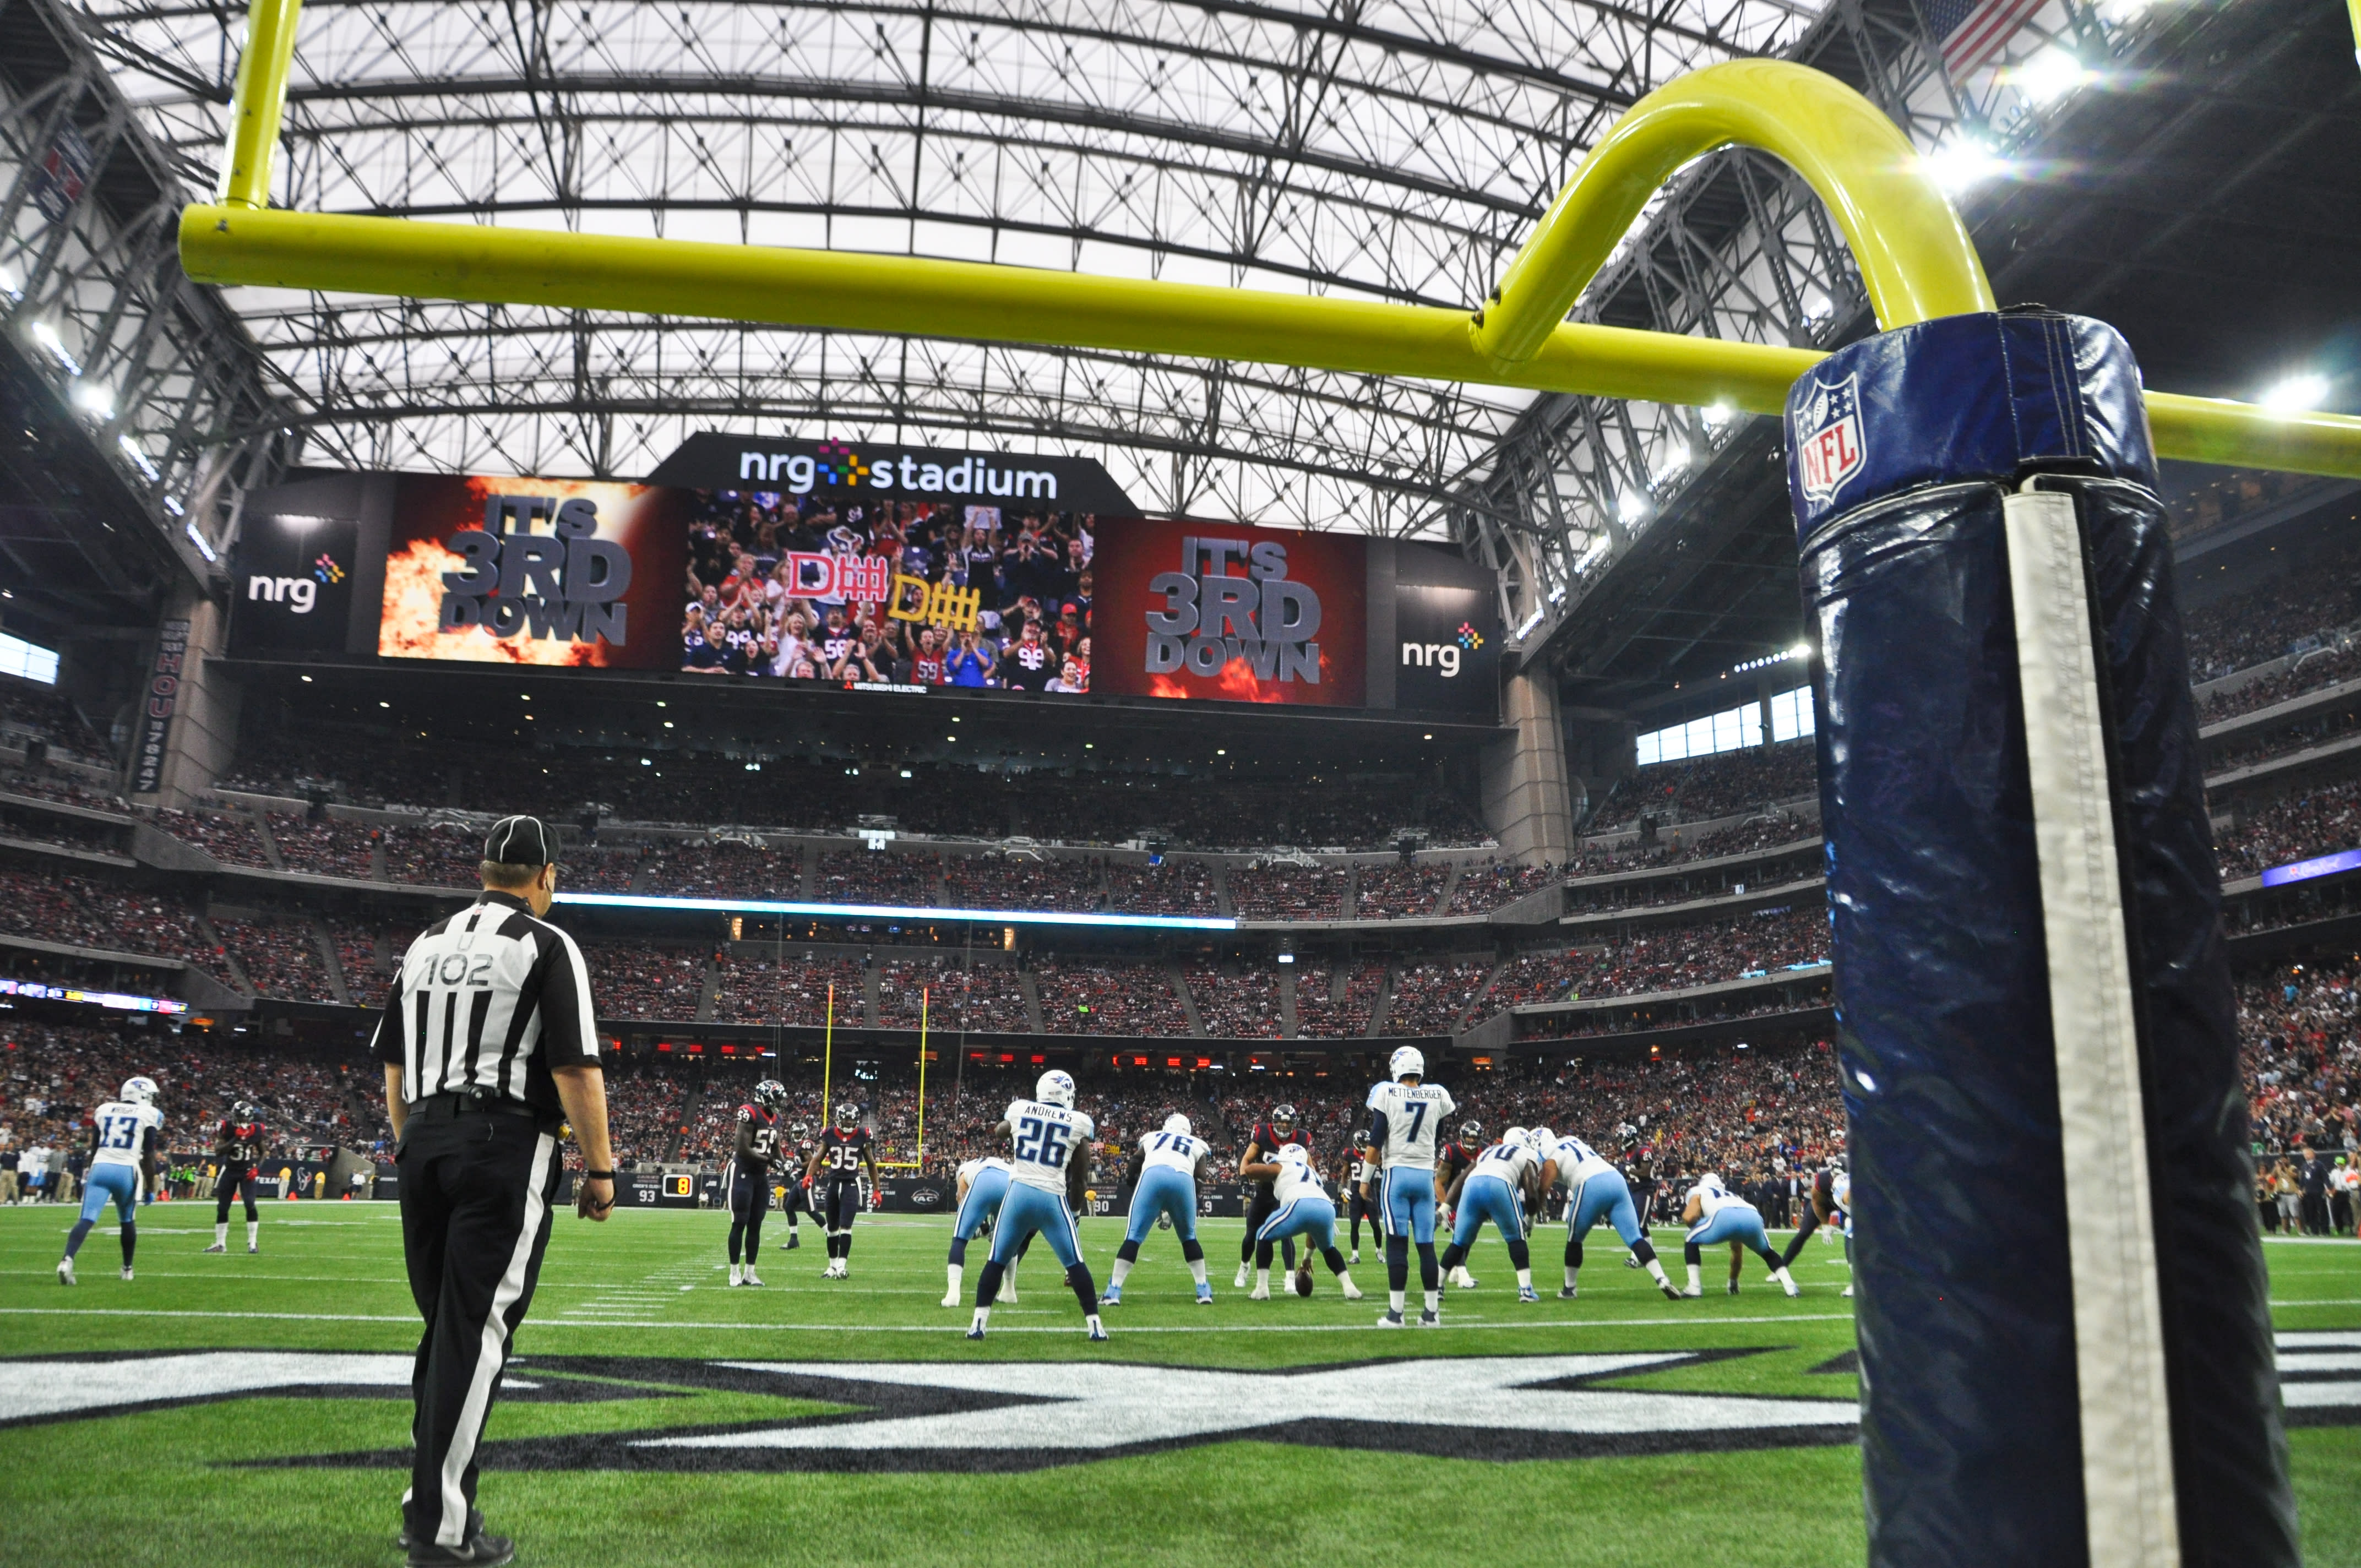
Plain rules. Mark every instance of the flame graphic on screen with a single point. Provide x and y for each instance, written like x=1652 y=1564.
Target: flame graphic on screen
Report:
x=1236 y=683
x=413 y=609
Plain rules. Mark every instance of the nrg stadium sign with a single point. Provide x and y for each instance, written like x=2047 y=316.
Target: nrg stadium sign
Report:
x=717 y=460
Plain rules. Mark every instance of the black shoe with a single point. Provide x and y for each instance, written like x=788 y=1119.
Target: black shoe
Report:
x=475 y=1529
x=794 y=1241
x=481 y=1551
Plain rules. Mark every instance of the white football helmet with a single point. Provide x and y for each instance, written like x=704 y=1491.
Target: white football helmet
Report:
x=1711 y=1181
x=1292 y=1154
x=1513 y=1138
x=1541 y=1139
x=1055 y=1088
x=1177 y=1123
x=1408 y=1062
x=138 y=1090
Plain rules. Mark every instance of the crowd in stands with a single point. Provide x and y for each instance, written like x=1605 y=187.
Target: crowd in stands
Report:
x=1430 y=997
x=987 y=998
x=1588 y=1024
x=1706 y=787
x=2316 y=596
x=789 y=989
x=720 y=871
x=66 y=832
x=322 y=846
x=876 y=876
x=1081 y=997
x=58 y=907
x=2280 y=740
x=66 y=790
x=2301 y=1051
x=1321 y=1015
x=1485 y=888
x=436 y=857
x=1022 y=880
x=279 y=957
x=1175 y=887
x=30 y=710
x=1236 y=1002
x=1403 y=891
x=230 y=838
x=2326 y=667
x=357 y=955
x=1281 y=891
x=636 y=980
x=2316 y=821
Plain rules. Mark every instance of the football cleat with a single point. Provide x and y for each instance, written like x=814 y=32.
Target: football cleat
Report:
x=1846 y=1291
x=737 y=1274
x=1240 y=1282
x=126 y=1272
x=1631 y=1262
x=793 y=1242
x=1260 y=1293
x=1356 y=1257
x=1430 y=1319
x=1389 y=1320
x=1098 y=1329
x=65 y=1271
x=250 y=1250
x=975 y=1332
x=482 y=1551
x=951 y=1300
x=1111 y=1297
x=1673 y=1292
x=1567 y=1294
x=1008 y=1295
x=1462 y=1280
x=752 y=1278
x=1684 y=1295
x=1352 y=1291
x=1204 y=1295
x=216 y=1247
x=1527 y=1293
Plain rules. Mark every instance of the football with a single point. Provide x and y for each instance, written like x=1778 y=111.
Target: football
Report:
x=1303 y=1282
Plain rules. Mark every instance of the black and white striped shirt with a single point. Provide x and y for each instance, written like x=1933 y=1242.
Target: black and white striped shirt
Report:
x=490 y=999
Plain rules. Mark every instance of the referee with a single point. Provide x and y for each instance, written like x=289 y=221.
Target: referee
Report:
x=489 y=1051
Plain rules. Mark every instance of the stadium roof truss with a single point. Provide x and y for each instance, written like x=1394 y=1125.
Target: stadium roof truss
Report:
x=1398 y=152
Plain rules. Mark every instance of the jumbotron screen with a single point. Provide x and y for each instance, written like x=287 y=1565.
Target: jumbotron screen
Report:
x=969 y=577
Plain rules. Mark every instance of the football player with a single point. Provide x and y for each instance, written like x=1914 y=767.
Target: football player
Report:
x=1714 y=1213
x=1048 y=1171
x=1451 y=1161
x=1405 y=1116
x=1163 y=1179
x=122 y=1165
x=983 y=1186
x=1268 y=1138
x=1303 y=1211
x=796 y=1196
x=1829 y=1199
x=750 y=1176
x=844 y=1152
x=1358 y=1169
x=1500 y=1185
x=238 y=1149
x=1598 y=1193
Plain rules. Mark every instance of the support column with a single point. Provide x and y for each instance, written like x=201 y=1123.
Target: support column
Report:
x=187 y=716
x=1525 y=801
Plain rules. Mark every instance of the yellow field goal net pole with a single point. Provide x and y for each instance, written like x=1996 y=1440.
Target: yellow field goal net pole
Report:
x=828 y=1059
x=1914 y=257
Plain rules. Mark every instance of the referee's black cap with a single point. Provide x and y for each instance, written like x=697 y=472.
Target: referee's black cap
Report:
x=519 y=841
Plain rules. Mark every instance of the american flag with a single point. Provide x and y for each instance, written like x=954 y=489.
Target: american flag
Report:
x=1973 y=30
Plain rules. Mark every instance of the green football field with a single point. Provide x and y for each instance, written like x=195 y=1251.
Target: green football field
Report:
x=658 y=1417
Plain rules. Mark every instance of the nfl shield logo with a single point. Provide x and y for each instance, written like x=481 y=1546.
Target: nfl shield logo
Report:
x=1827 y=439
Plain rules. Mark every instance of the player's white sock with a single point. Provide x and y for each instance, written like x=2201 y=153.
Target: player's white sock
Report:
x=1697 y=1280
x=737 y=1274
x=1008 y=1285
x=1434 y=1300
x=1787 y=1282
x=1524 y=1280
x=983 y=1316
x=1122 y=1268
x=1262 y=1282
x=253 y=1231
x=951 y=1290
x=1656 y=1271
x=1394 y=1300
x=220 y=1234
x=1344 y=1283
x=1197 y=1271
x=1569 y=1278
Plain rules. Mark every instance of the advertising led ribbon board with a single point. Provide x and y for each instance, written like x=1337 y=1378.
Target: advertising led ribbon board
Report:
x=898 y=569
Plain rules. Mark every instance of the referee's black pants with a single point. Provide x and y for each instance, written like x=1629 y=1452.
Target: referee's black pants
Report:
x=475 y=1192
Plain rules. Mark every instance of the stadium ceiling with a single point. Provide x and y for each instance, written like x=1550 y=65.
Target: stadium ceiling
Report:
x=1394 y=152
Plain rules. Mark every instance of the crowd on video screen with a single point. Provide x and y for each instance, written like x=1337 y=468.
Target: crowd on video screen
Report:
x=753 y=609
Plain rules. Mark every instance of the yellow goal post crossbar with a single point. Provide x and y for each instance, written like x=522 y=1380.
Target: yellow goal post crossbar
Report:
x=1914 y=254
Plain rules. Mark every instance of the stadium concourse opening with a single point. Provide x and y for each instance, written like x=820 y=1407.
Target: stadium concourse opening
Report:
x=1179 y=733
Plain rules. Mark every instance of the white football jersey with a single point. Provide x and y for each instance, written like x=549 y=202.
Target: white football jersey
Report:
x=1577 y=1162
x=1173 y=1151
x=1713 y=1198
x=970 y=1169
x=1042 y=1140
x=119 y=1126
x=1295 y=1178
x=1508 y=1161
x=1414 y=1114
x=1840 y=1190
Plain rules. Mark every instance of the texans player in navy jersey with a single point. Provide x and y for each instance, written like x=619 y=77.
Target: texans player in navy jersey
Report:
x=836 y=1166
x=1355 y=1168
x=1450 y=1161
x=798 y=1199
x=1261 y=1202
x=750 y=1176
x=238 y=1144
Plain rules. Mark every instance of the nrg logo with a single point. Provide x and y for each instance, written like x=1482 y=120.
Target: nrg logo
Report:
x=1443 y=656
x=297 y=594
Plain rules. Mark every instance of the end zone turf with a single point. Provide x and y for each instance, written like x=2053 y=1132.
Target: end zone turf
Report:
x=234 y=1409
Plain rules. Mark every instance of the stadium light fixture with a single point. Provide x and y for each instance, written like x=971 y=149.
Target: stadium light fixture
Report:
x=1633 y=509
x=1963 y=163
x=2296 y=394
x=2050 y=75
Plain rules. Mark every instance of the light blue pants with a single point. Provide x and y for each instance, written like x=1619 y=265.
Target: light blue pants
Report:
x=1409 y=1203
x=1307 y=1214
x=1483 y=1197
x=984 y=1196
x=111 y=1181
x=1604 y=1198
x=1734 y=1222
x=1163 y=1190
x=1027 y=1210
